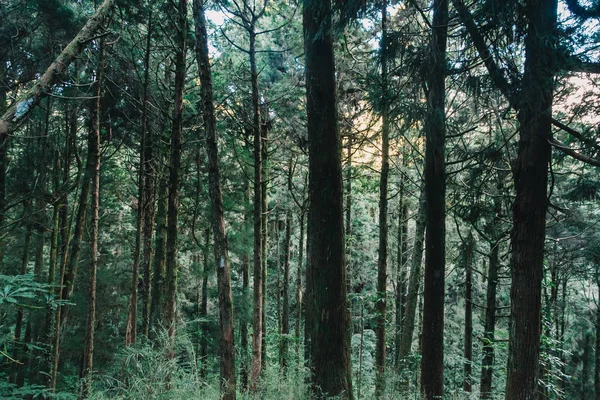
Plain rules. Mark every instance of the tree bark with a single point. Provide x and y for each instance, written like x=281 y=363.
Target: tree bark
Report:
x=285 y=323
x=531 y=203
x=585 y=366
x=62 y=245
x=257 y=324
x=299 y=274
x=381 y=298
x=597 y=354
x=146 y=197
x=402 y=272
x=159 y=261
x=432 y=362
x=487 y=362
x=327 y=316
x=204 y=299
x=225 y=302
x=265 y=232
x=468 y=351
x=244 y=364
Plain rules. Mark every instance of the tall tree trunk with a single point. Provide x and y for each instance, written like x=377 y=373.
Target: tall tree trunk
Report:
x=94 y=166
x=414 y=280
x=204 y=299
x=432 y=362
x=265 y=234
x=585 y=365
x=285 y=324
x=174 y=173
x=402 y=272
x=348 y=214
x=244 y=365
x=327 y=316
x=53 y=244
x=563 y=355
x=20 y=346
x=143 y=237
x=278 y=274
x=132 y=309
x=257 y=321
x=468 y=351
x=23 y=270
x=225 y=302
x=159 y=261
x=381 y=298
x=62 y=245
x=299 y=274
x=597 y=354
x=530 y=205
x=489 y=329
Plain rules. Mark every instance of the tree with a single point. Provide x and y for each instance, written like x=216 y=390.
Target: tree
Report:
x=94 y=166
x=383 y=204
x=227 y=366
x=432 y=363
x=174 y=172
x=327 y=317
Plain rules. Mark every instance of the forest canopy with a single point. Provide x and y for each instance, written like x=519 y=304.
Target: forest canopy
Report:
x=267 y=199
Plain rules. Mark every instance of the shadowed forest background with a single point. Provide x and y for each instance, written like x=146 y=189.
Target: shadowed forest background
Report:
x=284 y=199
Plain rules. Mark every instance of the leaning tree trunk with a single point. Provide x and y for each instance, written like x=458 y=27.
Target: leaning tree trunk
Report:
x=327 y=316
x=225 y=303
x=432 y=362
x=531 y=202
x=94 y=165
x=381 y=298
x=31 y=98
x=174 y=173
